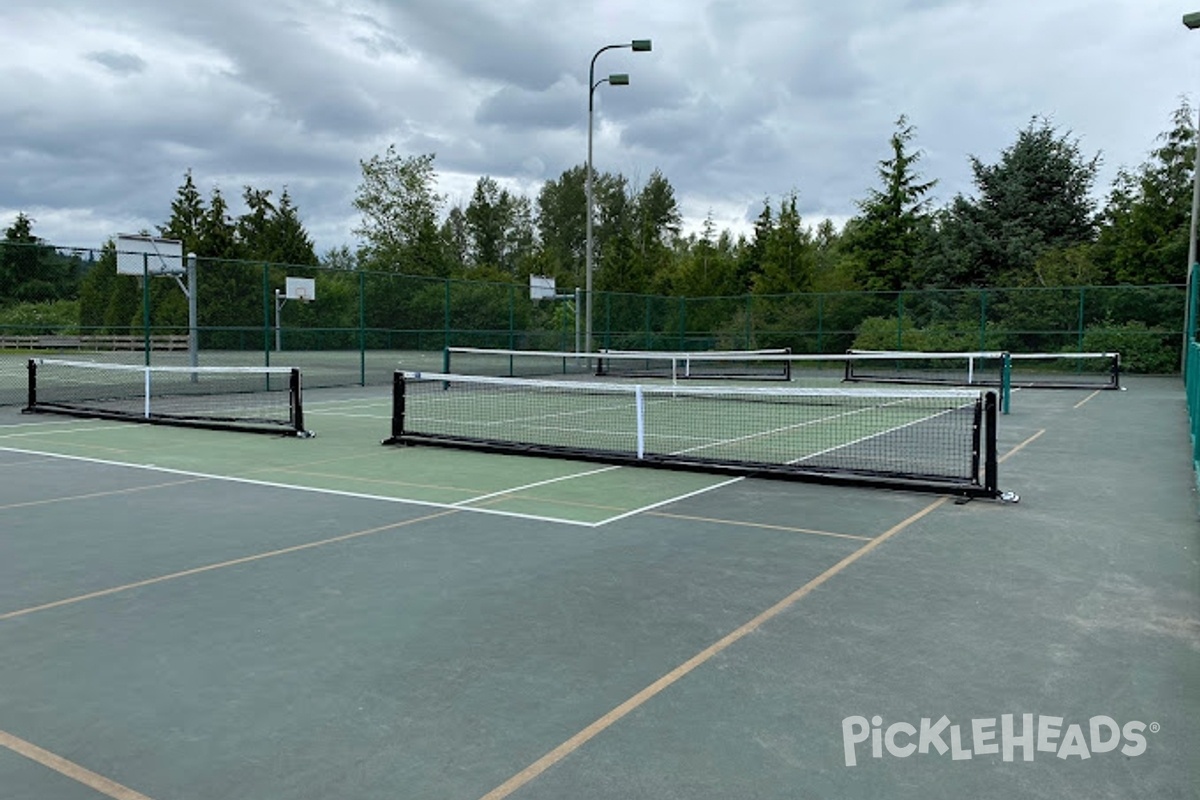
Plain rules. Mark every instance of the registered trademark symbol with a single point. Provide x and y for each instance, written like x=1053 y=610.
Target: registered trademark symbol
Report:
x=1155 y=727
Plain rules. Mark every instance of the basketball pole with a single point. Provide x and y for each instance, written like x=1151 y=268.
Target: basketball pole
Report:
x=279 y=301
x=193 y=325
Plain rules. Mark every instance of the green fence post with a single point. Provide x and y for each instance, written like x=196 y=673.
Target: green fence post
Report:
x=646 y=326
x=749 y=322
x=1079 y=346
x=362 y=328
x=821 y=323
x=900 y=320
x=683 y=325
x=446 y=318
x=983 y=322
x=266 y=284
x=607 y=321
x=512 y=316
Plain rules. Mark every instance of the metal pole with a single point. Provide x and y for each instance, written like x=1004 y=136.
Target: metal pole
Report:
x=588 y=219
x=1191 y=268
x=577 y=315
x=146 y=308
x=278 y=331
x=637 y=45
x=193 y=325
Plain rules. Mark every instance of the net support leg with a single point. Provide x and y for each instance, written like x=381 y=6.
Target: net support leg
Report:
x=639 y=403
x=398 y=393
x=297 y=407
x=991 y=463
x=31 y=394
x=1005 y=382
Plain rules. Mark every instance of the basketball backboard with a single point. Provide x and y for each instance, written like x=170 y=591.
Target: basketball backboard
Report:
x=138 y=255
x=541 y=287
x=300 y=289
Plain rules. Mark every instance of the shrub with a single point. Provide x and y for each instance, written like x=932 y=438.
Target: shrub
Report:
x=1143 y=349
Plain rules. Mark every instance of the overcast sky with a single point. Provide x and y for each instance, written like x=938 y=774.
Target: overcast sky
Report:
x=104 y=104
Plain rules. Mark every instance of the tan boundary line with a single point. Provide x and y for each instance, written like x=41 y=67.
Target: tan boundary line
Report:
x=608 y=720
x=92 y=495
x=1089 y=397
x=222 y=564
x=1021 y=446
x=70 y=769
x=616 y=714
x=759 y=525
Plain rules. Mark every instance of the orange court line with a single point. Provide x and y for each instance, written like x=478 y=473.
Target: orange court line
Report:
x=91 y=495
x=70 y=769
x=616 y=714
x=1021 y=446
x=759 y=525
x=221 y=565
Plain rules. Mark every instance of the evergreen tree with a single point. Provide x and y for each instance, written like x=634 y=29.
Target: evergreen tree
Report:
x=1035 y=199
x=789 y=256
x=97 y=287
x=187 y=216
x=891 y=231
x=1144 y=235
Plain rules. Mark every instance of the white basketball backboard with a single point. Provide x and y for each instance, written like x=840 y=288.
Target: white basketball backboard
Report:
x=300 y=289
x=138 y=255
x=541 y=287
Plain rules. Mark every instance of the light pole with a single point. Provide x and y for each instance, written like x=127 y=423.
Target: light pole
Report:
x=617 y=79
x=1192 y=22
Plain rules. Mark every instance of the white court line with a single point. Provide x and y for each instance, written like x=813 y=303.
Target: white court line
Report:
x=62 y=430
x=40 y=423
x=675 y=499
x=516 y=489
x=321 y=413
x=310 y=489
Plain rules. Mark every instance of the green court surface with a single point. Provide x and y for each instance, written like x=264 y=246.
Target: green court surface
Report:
x=215 y=615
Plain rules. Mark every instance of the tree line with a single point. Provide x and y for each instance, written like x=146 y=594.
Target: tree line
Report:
x=1032 y=220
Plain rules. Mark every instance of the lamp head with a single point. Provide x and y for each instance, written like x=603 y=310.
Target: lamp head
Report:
x=643 y=45
x=1192 y=20
x=618 y=79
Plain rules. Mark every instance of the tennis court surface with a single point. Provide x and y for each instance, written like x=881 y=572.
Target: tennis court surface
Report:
x=210 y=614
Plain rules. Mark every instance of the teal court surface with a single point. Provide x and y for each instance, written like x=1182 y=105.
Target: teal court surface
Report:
x=203 y=614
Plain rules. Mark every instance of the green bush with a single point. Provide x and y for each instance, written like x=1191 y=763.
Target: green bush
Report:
x=1143 y=349
x=41 y=319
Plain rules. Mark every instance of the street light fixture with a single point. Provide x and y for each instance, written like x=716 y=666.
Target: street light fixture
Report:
x=1192 y=22
x=616 y=79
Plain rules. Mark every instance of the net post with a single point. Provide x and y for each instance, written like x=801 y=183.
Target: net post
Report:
x=446 y=359
x=294 y=401
x=1005 y=381
x=1116 y=371
x=991 y=462
x=398 y=393
x=640 y=403
x=31 y=391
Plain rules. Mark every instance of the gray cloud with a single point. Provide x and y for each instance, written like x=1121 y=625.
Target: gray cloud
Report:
x=739 y=100
x=118 y=63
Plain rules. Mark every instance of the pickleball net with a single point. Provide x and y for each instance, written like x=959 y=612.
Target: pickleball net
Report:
x=748 y=365
x=253 y=399
x=939 y=440
x=1019 y=370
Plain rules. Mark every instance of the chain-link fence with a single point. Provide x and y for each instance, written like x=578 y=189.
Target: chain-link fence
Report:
x=363 y=324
